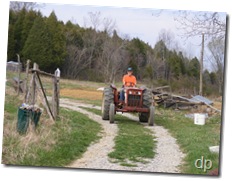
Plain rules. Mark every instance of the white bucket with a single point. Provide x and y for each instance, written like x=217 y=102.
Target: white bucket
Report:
x=199 y=119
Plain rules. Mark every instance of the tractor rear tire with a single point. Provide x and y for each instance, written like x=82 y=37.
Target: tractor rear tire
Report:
x=107 y=99
x=147 y=102
x=151 y=116
x=112 y=113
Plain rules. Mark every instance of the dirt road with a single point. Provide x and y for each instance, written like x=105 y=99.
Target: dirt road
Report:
x=168 y=154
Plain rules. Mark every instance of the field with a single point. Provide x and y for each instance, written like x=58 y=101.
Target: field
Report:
x=47 y=146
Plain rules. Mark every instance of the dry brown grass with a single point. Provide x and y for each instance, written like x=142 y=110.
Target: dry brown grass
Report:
x=16 y=146
x=81 y=94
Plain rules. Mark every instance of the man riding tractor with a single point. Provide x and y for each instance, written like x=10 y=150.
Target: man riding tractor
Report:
x=128 y=80
x=129 y=99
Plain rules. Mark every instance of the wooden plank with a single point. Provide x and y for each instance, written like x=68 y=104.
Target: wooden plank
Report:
x=42 y=72
x=45 y=97
x=162 y=87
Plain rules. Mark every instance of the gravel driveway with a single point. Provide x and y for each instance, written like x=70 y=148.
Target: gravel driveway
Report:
x=168 y=155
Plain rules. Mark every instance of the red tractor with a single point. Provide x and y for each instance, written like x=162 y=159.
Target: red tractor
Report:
x=136 y=100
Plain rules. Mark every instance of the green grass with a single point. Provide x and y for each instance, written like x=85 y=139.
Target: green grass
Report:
x=53 y=145
x=11 y=103
x=134 y=143
x=95 y=111
x=75 y=134
x=193 y=139
x=67 y=139
x=87 y=101
x=82 y=85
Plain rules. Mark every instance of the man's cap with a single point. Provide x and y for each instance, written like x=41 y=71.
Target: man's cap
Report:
x=129 y=69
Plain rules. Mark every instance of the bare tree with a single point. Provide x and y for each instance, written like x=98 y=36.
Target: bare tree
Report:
x=212 y=24
x=167 y=37
x=112 y=61
x=109 y=25
x=18 y=5
x=76 y=62
x=93 y=19
x=78 y=53
x=110 y=58
x=217 y=50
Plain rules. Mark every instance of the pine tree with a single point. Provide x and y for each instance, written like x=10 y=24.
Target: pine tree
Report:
x=38 y=45
x=45 y=44
x=28 y=21
x=11 y=54
x=57 y=40
x=194 y=67
x=18 y=28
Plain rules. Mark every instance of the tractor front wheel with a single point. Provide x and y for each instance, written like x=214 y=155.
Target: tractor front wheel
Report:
x=147 y=102
x=151 y=116
x=112 y=113
x=107 y=99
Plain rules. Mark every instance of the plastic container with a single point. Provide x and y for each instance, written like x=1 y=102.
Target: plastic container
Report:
x=199 y=119
x=24 y=117
x=23 y=120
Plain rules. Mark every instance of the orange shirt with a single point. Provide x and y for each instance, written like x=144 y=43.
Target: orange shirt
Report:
x=129 y=80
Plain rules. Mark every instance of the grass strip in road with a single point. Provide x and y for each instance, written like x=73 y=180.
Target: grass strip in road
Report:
x=93 y=110
x=134 y=143
x=193 y=139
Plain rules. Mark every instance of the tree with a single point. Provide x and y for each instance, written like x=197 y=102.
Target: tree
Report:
x=18 y=28
x=45 y=44
x=167 y=37
x=27 y=24
x=137 y=50
x=77 y=55
x=11 y=53
x=175 y=64
x=209 y=24
x=20 y=23
x=112 y=60
x=18 y=6
x=217 y=50
x=212 y=24
x=161 y=56
x=193 y=69
x=57 y=41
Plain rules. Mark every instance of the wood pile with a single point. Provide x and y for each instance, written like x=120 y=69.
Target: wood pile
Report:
x=163 y=97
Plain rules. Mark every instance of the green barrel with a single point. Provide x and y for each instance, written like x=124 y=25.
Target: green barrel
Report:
x=24 y=117
x=23 y=120
x=35 y=117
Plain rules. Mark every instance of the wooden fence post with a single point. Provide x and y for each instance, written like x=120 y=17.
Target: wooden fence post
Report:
x=19 y=71
x=37 y=83
x=35 y=68
x=56 y=94
x=26 y=81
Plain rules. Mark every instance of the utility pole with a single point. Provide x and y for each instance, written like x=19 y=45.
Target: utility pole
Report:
x=201 y=64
